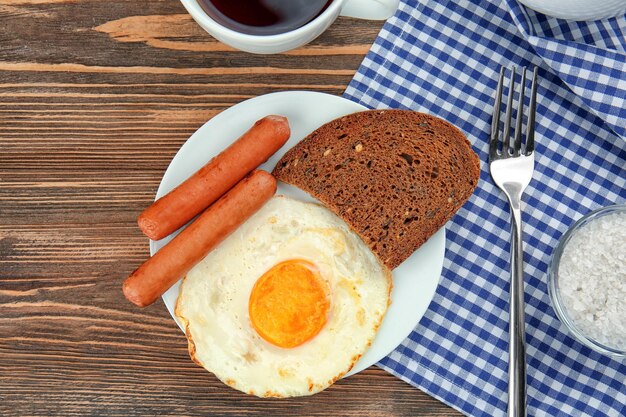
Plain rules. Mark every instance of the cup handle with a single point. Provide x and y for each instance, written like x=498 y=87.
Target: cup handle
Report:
x=370 y=9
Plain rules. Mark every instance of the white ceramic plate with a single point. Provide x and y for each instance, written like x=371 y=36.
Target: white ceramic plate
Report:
x=414 y=281
x=578 y=9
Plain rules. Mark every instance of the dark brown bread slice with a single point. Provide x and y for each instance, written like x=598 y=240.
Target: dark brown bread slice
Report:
x=395 y=176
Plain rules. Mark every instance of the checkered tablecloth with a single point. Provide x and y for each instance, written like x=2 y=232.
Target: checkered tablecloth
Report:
x=443 y=57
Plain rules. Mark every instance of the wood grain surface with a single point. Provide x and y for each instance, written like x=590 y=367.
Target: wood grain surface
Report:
x=96 y=97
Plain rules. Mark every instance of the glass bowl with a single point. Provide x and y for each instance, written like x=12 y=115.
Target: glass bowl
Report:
x=554 y=288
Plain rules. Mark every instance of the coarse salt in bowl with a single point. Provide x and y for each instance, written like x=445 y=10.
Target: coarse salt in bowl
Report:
x=587 y=280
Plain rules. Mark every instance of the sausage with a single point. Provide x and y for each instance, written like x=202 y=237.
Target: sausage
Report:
x=191 y=245
x=219 y=175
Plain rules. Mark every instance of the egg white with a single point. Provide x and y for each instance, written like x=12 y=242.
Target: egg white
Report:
x=213 y=301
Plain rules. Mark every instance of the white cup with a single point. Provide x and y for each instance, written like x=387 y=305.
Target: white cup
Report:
x=271 y=44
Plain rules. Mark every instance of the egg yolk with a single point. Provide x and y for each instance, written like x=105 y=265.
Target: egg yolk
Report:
x=289 y=303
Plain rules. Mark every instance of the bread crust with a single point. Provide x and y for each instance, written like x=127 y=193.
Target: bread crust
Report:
x=395 y=176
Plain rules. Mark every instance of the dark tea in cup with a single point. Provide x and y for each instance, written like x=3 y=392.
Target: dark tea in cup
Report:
x=264 y=17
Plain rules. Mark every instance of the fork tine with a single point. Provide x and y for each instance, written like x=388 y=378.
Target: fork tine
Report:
x=517 y=144
x=507 y=117
x=495 y=123
x=532 y=107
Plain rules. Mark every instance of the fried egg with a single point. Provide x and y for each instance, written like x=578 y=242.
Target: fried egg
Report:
x=286 y=304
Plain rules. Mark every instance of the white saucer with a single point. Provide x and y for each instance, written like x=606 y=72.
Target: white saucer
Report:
x=414 y=281
x=578 y=9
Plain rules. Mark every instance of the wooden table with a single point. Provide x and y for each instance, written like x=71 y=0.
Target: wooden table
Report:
x=96 y=97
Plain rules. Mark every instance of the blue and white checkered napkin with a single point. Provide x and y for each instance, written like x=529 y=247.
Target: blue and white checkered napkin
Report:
x=443 y=57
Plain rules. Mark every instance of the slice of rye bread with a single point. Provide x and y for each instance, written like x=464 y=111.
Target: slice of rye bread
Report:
x=395 y=176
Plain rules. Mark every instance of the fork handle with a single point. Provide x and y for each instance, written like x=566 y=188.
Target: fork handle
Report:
x=517 y=349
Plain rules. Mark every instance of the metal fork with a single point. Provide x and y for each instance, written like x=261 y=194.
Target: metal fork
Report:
x=511 y=166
